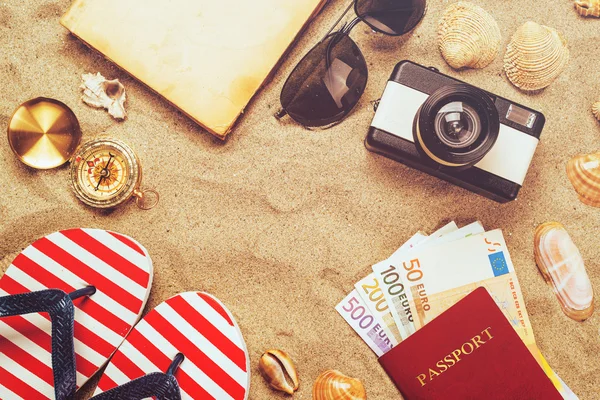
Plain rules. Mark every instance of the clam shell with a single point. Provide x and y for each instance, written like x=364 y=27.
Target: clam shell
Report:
x=535 y=56
x=277 y=368
x=584 y=173
x=588 y=8
x=596 y=110
x=560 y=262
x=102 y=93
x=468 y=37
x=333 y=385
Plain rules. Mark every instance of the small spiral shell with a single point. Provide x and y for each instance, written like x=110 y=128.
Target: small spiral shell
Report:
x=535 y=56
x=333 y=385
x=468 y=37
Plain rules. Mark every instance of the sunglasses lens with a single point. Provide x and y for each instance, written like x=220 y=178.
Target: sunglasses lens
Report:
x=394 y=17
x=327 y=83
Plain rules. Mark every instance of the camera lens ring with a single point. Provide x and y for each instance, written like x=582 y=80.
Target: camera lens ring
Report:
x=479 y=124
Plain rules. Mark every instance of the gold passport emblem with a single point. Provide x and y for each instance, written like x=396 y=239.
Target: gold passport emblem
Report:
x=454 y=357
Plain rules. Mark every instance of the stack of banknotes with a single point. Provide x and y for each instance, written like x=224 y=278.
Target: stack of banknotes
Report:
x=429 y=274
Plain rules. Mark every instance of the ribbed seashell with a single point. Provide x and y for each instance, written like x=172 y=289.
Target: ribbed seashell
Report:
x=333 y=385
x=277 y=368
x=468 y=36
x=588 y=8
x=596 y=110
x=560 y=262
x=584 y=173
x=535 y=56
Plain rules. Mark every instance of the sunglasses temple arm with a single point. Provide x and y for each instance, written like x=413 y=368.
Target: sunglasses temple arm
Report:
x=338 y=21
x=280 y=113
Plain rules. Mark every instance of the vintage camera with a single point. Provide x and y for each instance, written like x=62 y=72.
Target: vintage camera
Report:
x=455 y=131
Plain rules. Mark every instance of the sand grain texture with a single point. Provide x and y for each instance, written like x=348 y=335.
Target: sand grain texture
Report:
x=279 y=222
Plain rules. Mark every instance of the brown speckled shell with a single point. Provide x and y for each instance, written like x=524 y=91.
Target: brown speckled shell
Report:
x=588 y=8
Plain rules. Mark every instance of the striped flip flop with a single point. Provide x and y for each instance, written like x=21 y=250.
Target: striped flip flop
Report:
x=188 y=347
x=68 y=302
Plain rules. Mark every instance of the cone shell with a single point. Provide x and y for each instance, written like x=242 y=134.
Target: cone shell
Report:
x=277 y=368
x=560 y=262
x=596 y=110
x=468 y=36
x=535 y=56
x=333 y=385
x=588 y=8
x=584 y=173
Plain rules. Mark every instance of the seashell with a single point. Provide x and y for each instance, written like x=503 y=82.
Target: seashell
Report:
x=584 y=173
x=596 y=110
x=101 y=93
x=588 y=8
x=468 y=36
x=333 y=385
x=277 y=368
x=535 y=56
x=560 y=262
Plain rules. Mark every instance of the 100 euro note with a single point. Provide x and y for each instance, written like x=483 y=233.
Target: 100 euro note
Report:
x=506 y=292
x=369 y=289
x=391 y=275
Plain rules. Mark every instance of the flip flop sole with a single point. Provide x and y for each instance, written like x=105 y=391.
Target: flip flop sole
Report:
x=196 y=324
x=120 y=269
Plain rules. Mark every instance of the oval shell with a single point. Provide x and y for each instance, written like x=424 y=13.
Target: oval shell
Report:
x=584 y=173
x=596 y=110
x=588 y=8
x=333 y=385
x=560 y=262
x=468 y=36
x=277 y=368
x=535 y=56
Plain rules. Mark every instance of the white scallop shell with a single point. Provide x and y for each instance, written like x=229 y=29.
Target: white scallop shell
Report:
x=468 y=36
x=535 y=56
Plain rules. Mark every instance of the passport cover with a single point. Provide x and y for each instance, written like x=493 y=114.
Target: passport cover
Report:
x=206 y=57
x=469 y=352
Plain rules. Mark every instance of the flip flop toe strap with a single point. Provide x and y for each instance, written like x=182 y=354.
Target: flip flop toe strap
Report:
x=157 y=384
x=59 y=305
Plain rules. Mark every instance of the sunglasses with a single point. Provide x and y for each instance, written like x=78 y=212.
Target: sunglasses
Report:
x=328 y=82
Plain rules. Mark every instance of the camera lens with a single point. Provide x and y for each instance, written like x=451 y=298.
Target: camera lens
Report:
x=456 y=126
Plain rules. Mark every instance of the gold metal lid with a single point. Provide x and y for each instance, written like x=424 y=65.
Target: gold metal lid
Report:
x=44 y=133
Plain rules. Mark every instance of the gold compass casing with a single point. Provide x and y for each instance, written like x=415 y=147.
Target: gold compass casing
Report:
x=43 y=133
x=122 y=178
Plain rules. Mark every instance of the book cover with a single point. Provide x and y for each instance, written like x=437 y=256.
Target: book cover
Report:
x=208 y=58
x=469 y=352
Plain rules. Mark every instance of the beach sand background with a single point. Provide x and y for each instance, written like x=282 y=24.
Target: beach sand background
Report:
x=278 y=221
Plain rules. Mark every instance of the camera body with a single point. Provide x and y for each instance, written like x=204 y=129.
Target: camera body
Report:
x=499 y=137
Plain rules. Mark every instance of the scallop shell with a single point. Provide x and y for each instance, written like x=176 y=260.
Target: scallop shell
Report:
x=560 y=262
x=101 y=93
x=588 y=8
x=584 y=173
x=535 y=56
x=468 y=36
x=277 y=368
x=596 y=110
x=333 y=385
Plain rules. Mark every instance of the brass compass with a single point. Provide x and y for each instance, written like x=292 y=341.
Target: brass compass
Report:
x=44 y=133
x=106 y=172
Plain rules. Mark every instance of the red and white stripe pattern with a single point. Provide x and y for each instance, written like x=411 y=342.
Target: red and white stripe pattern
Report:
x=216 y=364
x=116 y=265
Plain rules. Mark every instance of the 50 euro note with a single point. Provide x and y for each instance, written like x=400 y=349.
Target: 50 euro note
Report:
x=369 y=289
x=391 y=275
x=365 y=324
x=506 y=292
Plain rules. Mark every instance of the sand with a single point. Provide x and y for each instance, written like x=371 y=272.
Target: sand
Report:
x=278 y=221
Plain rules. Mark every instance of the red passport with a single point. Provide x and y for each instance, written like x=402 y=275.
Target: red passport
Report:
x=469 y=352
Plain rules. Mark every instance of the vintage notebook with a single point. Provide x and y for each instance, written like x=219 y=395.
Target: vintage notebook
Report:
x=469 y=352
x=208 y=58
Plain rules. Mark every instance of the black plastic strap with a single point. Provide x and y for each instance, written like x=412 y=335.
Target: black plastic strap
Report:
x=157 y=384
x=62 y=314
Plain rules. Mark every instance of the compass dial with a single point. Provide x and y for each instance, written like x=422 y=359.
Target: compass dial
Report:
x=105 y=173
